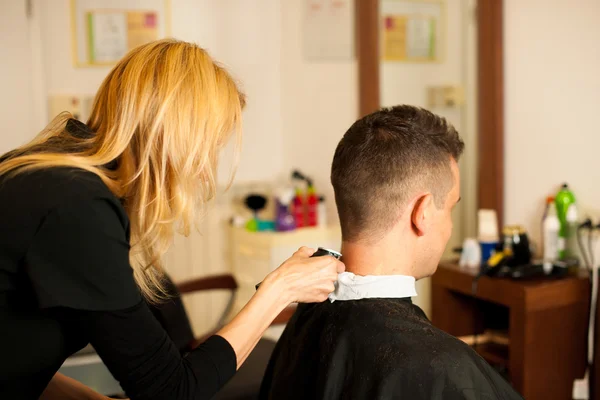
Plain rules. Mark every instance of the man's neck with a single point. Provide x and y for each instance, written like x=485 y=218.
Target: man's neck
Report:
x=381 y=258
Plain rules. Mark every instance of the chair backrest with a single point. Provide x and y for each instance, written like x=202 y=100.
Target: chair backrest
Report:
x=214 y=282
x=173 y=317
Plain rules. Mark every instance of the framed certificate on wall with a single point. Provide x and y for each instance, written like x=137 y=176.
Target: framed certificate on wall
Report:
x=104 y=31
x=413 y=30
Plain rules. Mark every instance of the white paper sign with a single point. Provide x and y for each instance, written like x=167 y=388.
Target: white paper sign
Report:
x=328 y=30
x=108 y=36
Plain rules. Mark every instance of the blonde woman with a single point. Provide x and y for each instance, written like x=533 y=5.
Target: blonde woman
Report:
x=88 y=211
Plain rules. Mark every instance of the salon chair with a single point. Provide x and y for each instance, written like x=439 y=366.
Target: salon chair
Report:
x=172 y=316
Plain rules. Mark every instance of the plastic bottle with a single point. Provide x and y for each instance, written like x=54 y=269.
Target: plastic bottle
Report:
x=487 y=233
x=284 y=220
x=312 y=204
x=549 y=200
x=298 y=208
x=322 y=213
x=551 y=229
x=567 y=215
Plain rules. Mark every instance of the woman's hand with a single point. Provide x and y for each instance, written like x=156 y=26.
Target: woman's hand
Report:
x=299 y=279
x=304 y=279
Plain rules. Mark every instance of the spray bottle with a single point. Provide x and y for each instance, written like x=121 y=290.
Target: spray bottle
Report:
x=312 y=204
x=567 y=215
x=551 y=229
x=299 y=201
x=298 y=208
x=322 y=212
x=284 y=220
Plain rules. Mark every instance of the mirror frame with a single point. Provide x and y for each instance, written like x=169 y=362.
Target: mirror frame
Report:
x=490 y=90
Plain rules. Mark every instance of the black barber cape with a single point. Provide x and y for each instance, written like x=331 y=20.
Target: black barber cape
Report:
x=375 y=349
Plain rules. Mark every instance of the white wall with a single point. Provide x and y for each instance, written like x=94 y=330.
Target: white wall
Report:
x=243 y=35
x=15 y=74
x=552 y=103
x=319 y=103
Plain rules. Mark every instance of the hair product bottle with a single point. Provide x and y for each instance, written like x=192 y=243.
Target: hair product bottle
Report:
x=312 y=204
x=551 y=229
x=567 y=215
x=298 y=208
x=322 y=213
x=284 y=220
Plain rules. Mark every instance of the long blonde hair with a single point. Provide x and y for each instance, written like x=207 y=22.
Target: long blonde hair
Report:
x=163 y=113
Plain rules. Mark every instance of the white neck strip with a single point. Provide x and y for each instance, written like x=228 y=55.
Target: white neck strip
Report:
x=356 y=287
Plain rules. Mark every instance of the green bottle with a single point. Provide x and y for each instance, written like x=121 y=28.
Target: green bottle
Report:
x=567 y=215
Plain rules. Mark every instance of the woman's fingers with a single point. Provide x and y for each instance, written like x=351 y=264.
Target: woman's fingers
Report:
x=333 y=266
x=329 y=287
x=304 y=252
x=324 y=291
x=308 y=279
x=330 y=270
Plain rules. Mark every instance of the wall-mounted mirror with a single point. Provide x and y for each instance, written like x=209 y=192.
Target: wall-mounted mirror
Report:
x=438 y=54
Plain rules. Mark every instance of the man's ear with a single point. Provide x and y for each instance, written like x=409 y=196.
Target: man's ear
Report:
x=421 y=214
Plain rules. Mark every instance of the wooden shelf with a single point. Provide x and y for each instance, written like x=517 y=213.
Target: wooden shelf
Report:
x=539 y=314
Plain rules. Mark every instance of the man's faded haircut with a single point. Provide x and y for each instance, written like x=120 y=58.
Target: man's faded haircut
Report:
x=383 y=160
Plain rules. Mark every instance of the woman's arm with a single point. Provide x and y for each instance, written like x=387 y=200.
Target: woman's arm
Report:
x=140 y=355
x=108 y=312
x=62 y=387
x=300 y=278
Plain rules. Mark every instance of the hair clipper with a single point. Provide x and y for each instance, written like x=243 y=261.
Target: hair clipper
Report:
x=321 y=251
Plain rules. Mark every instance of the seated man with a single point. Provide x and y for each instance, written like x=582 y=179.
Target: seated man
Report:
x=396 y=181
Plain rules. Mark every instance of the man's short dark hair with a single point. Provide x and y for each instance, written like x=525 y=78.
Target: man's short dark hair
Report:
x=383 y=159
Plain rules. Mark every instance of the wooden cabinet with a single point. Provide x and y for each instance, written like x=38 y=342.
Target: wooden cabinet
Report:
x=255 y=254
x=545 y=320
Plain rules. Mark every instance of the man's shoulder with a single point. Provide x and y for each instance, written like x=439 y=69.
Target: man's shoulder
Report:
x=361 y=348
x=389 y=334
x=394 y=326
